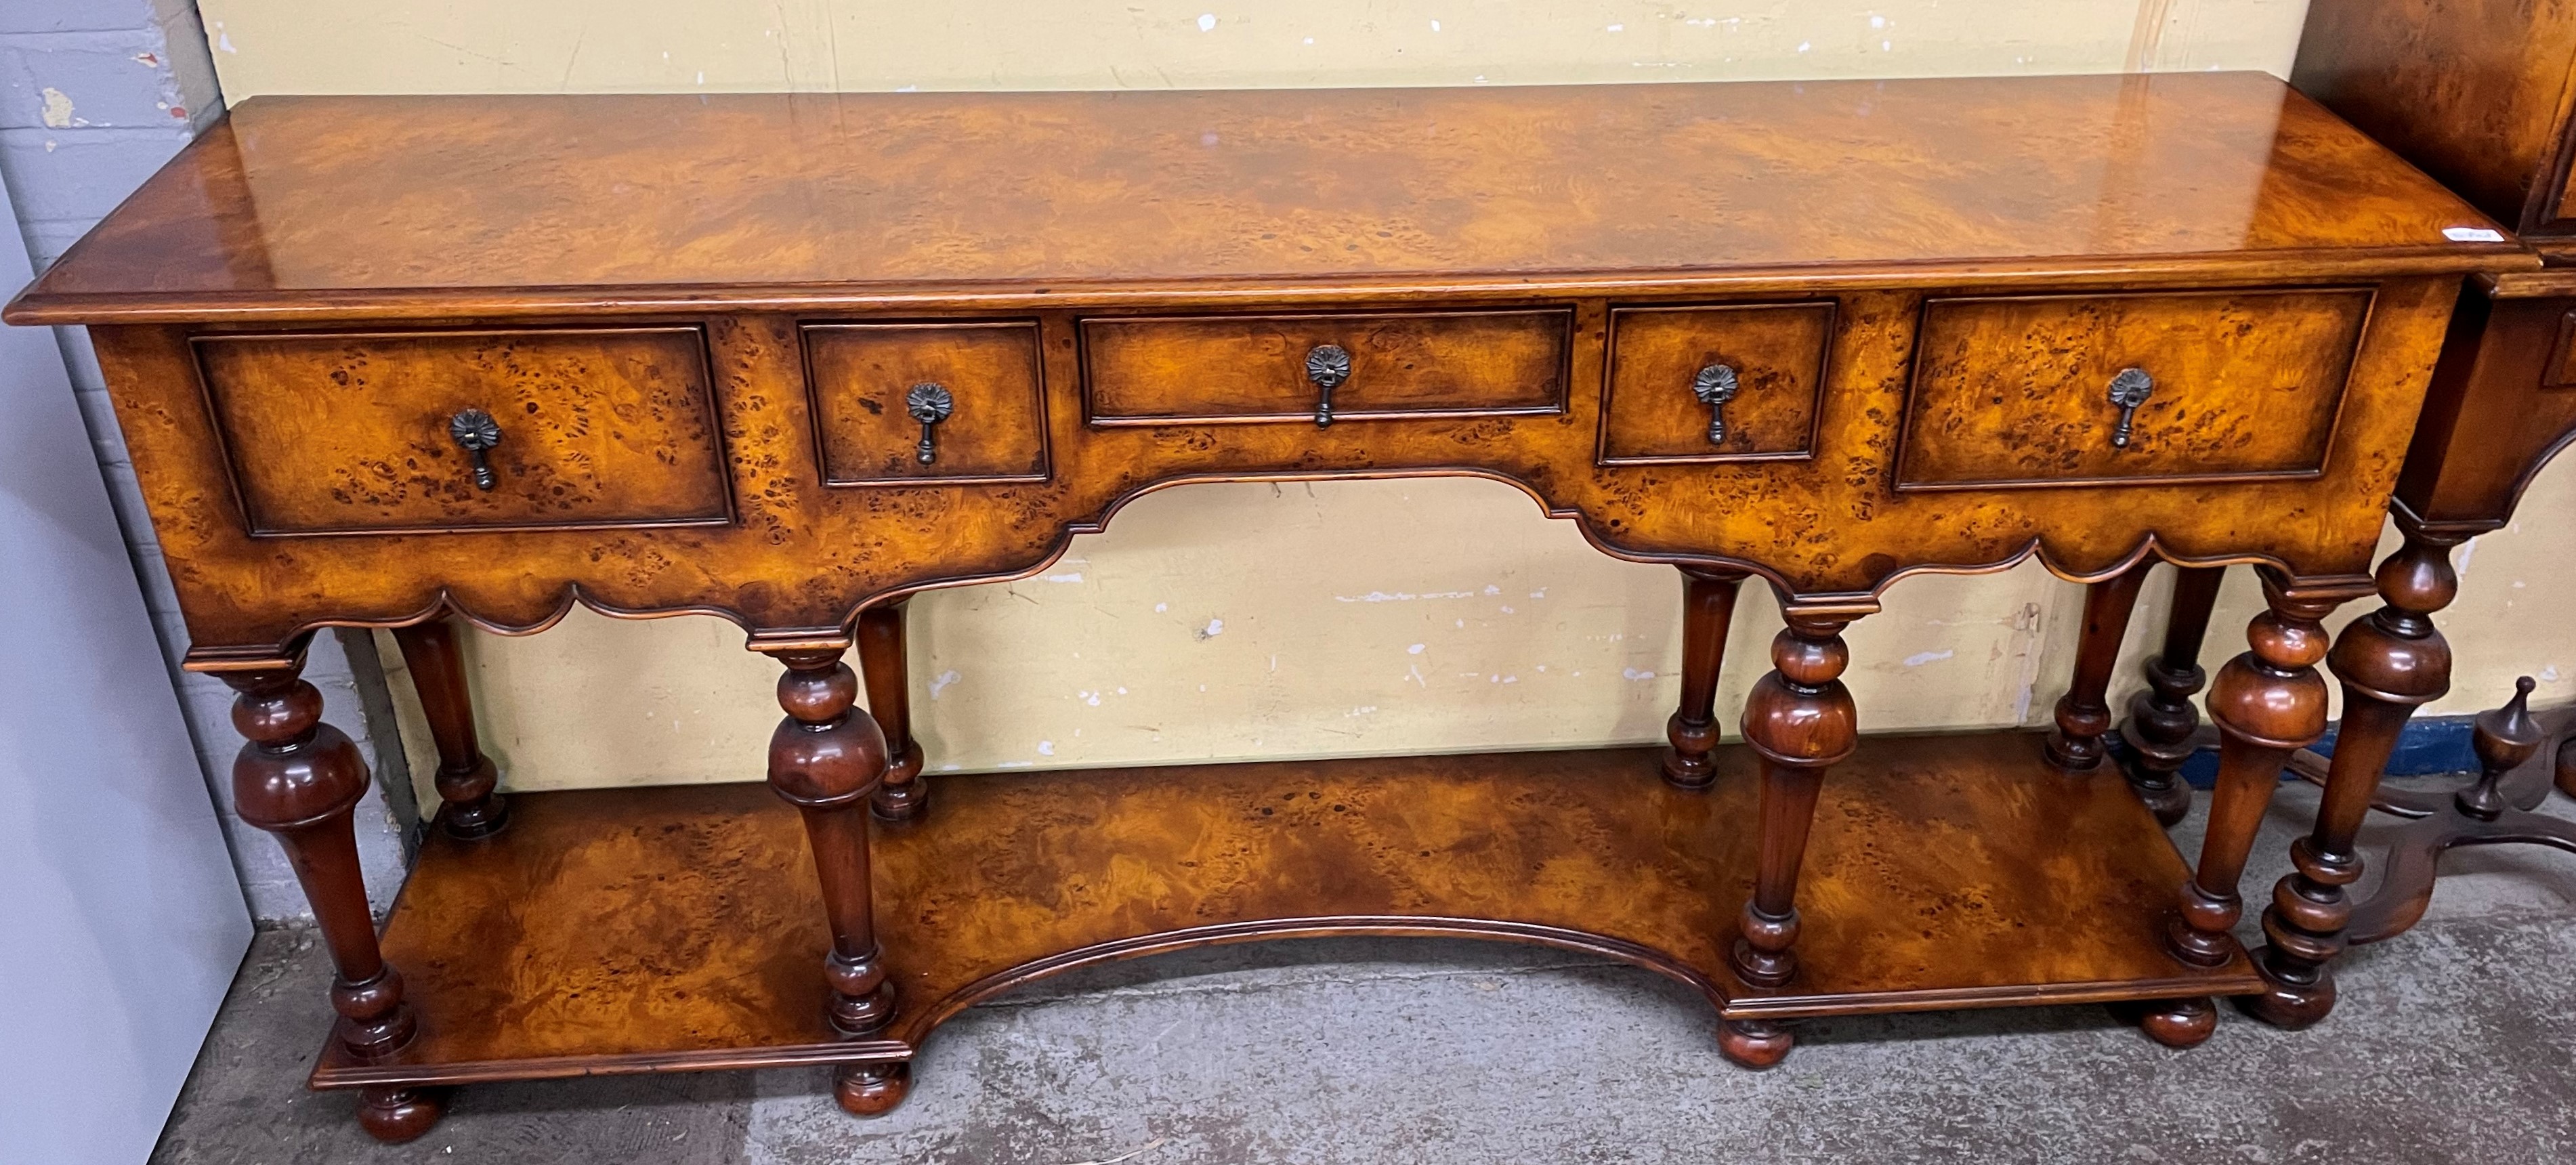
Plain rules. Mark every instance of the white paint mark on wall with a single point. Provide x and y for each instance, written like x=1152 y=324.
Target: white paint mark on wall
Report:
x=1207 y=22
x=1416 y=649
x=58 y=109
x=1159 y=608
x=224 y=40
x=1091 y=698
x=1046 y=748
x=1920 y=658
x=1067 y=577
x=940 y=682
x=2549 y=675
x=2468 y=550
x=1632 y=673
x=1404 y=596
x=1214 y=628
x=1414 y=672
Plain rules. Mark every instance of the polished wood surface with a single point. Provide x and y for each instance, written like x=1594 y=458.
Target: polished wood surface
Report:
x=863 y=378
x=298 y=207
x=1213 y=369
x=580 y=941
x=1774 y=362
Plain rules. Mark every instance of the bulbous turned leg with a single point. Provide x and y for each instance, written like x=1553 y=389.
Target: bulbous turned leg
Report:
x=2268 y=702
x=298 y=778
x=2084 y=712
x=396 y=1115
x=885 y=662
x=871 y=1089
x=2161 y=718
x=1708 y=608
x=826 y=760
x=469 y=809
x=1800 y=721
x=2390 y=662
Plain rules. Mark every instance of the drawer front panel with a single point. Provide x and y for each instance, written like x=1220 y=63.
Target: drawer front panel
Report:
x=1217 y=369
x=1714 y=383
x=977 y=386
x=369 y=433
x=2030 y=390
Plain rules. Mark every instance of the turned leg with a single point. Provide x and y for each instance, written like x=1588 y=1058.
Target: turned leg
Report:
x=2389 y=662
x=826 y=760
x=1799 y=720
x=889 y=679
x=2161 y=719
x=469 y=809
x=2084 y=712
x=1708 y=608
x=298 y=778
x=2268 y=703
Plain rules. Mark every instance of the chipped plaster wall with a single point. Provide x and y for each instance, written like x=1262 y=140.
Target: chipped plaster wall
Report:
x=1229 y=621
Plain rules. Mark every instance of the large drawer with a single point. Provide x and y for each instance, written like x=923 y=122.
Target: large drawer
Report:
x=1324 y=368
x=379 y=432
x=2057 y=390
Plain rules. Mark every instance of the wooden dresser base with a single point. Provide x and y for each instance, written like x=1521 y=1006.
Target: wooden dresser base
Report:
x=674 y=929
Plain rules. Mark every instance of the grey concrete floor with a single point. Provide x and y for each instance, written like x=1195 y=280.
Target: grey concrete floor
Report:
x=2451 y=1043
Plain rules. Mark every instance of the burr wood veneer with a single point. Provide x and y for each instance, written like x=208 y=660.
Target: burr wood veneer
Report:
x=787 y=359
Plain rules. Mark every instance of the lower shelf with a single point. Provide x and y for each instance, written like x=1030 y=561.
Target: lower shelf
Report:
x=668 y=929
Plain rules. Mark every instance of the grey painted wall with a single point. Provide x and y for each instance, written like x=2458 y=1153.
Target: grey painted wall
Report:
x=94 y=96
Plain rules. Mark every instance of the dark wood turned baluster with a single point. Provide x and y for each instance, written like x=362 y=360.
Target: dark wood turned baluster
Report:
x=2084 y=712
x=1799 y=719
x=2162 y=720
x=468 y=809
x=1708 y=609
x=2390 y=662
x=882 y=660
x=827 y=761
x=299 y=778
x=2268 y=703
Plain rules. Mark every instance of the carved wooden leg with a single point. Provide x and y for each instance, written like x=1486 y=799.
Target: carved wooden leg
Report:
x=889 y=679
x=2084 y=713
x=469 y=808
x=298 y=778
x=2161 y=719
x=826 y=760
x=2389 y=662
x=1708 y=609
x=2268 y=702
x=871 y=1089
x=1800 y=721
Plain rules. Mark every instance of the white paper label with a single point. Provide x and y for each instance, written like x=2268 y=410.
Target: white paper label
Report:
x=2472 y=235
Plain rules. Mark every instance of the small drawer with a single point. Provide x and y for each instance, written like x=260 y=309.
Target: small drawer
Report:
x=1325 y=368
x=898 y=403
x=1692 y=384
x=2051 y=390
x=484 y=430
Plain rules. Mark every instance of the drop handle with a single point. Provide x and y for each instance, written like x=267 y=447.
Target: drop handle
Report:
x=928 y=403
x=1327 y=367
x=2129 y=389
x=1715 y=386
x=476 y=432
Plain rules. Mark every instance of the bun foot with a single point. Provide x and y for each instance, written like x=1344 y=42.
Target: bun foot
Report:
x=2289 y=1006
x=2175 y=1023
x=2169 y=800
x=1688 y=771
x=871 y=1089
x=1754 y=1043
x=396 y=1115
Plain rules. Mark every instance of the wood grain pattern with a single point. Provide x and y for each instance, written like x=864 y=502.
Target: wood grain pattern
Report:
x=1219 y=369
x=1777 y=353
x=311 y=207
x=349 y=432
x=2014 y=390
x=1943 y=872
x=859 y=375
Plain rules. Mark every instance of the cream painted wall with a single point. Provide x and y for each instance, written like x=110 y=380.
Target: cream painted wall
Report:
x=1290 y=620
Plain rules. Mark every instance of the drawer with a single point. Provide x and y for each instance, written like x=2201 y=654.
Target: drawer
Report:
x=2030 y=390
x=334 y=433
x=1713 y=383
x=897 y=403
x=1283 y=368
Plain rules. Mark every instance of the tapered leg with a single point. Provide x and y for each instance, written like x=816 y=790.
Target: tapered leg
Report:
x=2084 y=712
x=468 y=809
x=1799 y=719
x=2267 y=702
x=826 y=759
x=1708 y=609
x=2390 y=662
x=298 y=778
x=889 y=678
x=2161 y=719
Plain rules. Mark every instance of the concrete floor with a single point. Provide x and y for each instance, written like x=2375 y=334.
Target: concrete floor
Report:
x=2451 y=1043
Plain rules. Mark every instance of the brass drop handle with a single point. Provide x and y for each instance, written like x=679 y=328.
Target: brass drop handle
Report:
x=929 y=404
x=1715 y=386
x=2129 y=389
x=476 y=432
x=1327 y=365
